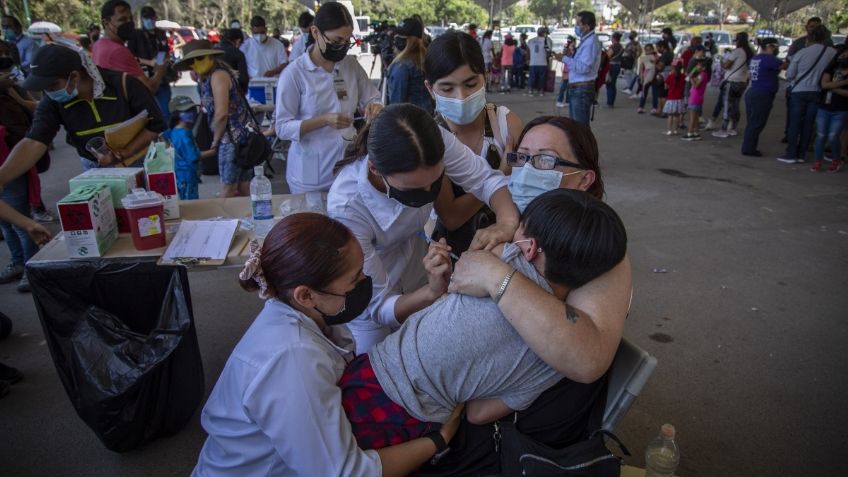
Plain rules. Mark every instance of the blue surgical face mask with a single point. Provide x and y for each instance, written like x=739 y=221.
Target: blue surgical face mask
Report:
x=9 y=34
x=148 y=24
x=461 y=111
x=62 y=95
x=189 y=116
x=578 y=32
x=526 y=183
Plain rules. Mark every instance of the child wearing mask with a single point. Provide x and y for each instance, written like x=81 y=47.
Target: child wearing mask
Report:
x=186 y=154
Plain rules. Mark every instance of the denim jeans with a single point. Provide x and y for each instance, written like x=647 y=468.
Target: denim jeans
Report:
x=21 y=246
x=580 y=101
x=614 y=71
x=562 y=97
x=802 y=114
x=719 y=106
x=633 y=80
x=537 y=77
x=757 y=108
x=655 y=95
x=829 y=126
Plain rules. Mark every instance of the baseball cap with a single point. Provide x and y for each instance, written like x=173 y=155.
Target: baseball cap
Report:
x=50 y=62
x=410 y=27
x=181 y=103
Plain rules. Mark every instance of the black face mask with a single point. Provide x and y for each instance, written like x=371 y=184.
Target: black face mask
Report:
x=6 y=63
x=400 y=43
x=416 y=198
x=126 y=31
x=356 y=301
x=334 y=53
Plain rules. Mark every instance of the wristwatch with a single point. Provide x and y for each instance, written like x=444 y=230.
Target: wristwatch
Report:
x=441 y=446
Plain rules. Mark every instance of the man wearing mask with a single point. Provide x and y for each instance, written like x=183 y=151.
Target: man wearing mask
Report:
x=150 y=46
x=265 y=56
x=583 y=63
x=85 y=101
x=230 y=43
x=109 y=52
x=299 y=47
x=13 y=33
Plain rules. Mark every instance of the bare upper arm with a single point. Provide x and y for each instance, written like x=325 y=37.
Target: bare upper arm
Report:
x=606 y=301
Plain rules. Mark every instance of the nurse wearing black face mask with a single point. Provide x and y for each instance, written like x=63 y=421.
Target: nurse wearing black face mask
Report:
x=384 y=192
x=277 y=402
x=318 y=96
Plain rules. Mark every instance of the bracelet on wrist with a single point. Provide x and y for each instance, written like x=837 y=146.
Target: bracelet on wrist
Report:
x=504 y=285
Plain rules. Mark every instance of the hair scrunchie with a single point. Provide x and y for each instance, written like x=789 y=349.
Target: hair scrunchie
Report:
x=253 y=269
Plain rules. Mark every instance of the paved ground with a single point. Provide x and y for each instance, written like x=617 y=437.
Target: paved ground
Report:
x=748 y=323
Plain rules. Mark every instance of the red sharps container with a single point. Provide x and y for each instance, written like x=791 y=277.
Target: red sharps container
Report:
x=146 y=213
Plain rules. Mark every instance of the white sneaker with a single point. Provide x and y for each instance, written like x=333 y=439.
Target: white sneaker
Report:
x=560 y=105
x=720 y=133
x=634 y=96
x=669 y=133
x=710 y=125
x=626 y=91
x=732 y=132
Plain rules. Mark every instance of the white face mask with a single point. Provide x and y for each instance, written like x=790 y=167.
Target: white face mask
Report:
x=261 y=37
x=461 y=111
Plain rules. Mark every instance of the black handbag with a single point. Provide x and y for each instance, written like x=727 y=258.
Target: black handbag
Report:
x=256 y=149
x=522 y=455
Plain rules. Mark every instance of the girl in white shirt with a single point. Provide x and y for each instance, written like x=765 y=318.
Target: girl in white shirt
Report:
x=384 y=193
x=318 y=97
x=276 y=409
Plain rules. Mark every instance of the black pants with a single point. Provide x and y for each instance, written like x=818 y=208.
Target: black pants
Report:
x=558 y=417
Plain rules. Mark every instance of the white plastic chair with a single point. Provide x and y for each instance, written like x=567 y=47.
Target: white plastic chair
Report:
x=631 y=368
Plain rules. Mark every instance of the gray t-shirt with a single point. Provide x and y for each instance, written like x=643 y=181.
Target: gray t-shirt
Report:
x=458 y=349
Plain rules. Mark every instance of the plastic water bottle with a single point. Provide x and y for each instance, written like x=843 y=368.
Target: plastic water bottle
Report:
x=662 y=455
x=260 y=203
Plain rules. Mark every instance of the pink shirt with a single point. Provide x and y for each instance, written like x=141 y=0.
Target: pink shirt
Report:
x=110 y=54
x=506 y=55
x=696 y=93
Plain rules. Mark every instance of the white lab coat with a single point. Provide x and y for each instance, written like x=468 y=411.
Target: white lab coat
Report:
x=276 y=408
x=389 y=232
x=305 y=91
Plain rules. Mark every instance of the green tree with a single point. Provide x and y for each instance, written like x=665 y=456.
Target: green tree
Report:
x=518 y=14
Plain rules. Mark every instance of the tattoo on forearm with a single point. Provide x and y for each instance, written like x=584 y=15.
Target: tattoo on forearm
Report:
x=570 y=314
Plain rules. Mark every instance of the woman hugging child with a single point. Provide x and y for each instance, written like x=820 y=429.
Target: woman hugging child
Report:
x=186 y=154
x=674 y=106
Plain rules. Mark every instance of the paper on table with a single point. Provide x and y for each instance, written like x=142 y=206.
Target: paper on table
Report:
x=118 y=136
x=207 y=241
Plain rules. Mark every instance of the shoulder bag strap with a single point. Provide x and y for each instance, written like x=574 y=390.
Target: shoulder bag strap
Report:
x=124 y=86
x=810 y=70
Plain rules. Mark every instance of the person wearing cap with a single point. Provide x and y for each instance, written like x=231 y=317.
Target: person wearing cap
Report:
x=186 y=153
x=318 y=96
x=226 y=108
x=13 y=32
x=150 y=47
x=266 y=56
x=763 y=72
x=231 y=40
x=86 y=101
x=110 y=51
x=406 y=73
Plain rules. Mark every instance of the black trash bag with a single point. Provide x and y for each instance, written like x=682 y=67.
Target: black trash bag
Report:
x=122 y=337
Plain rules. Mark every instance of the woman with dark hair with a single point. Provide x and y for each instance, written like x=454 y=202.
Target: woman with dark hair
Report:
x=535 y=170
x=405 y=78
x=586 y=328
x=456 y=79
x=384 y=192
x=319 y=94
x=735 y=82
x=276 y=408
x=229 y=119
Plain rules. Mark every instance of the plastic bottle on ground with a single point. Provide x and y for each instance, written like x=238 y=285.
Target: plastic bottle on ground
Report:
x=662 y=454
x=260 y=203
